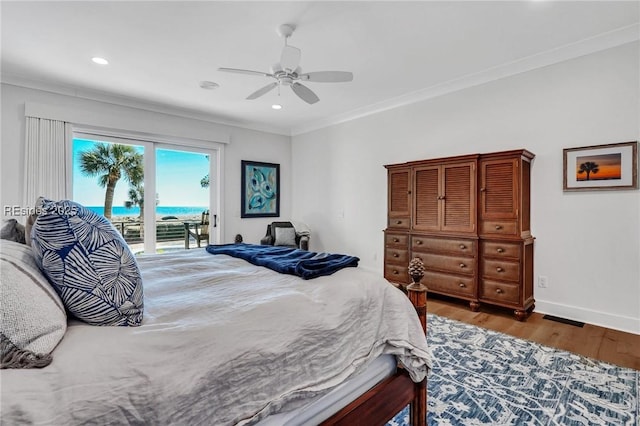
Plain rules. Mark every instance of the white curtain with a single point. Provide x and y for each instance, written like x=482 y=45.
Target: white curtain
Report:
x=46 y=171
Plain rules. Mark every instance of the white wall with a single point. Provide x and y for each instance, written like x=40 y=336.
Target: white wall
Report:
x=587 y=243
x=244 y=145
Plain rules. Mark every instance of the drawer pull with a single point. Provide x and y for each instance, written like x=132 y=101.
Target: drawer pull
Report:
x=395 y=240
x=398 y=222
x=395 y=272
x=499 y=269
x=499 y=291
x=498 y=227
x=418 y=242
x=483 y=189
x=462 y=265
x=462 y=247
x=461 y=285
x=395 y=254
x=500 y=250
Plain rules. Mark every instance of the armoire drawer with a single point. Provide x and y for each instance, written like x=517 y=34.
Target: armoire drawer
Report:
x=500 y=249
x=499 y=291
x=396 y=273
x=501 y=269
x=498 y=227
x=459 y=246
x=399 y=222
x=396 y=255
x=447 y=283
x=441 y=262
x=396 y=239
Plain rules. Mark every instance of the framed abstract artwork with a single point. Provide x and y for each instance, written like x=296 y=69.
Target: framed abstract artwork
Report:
x=601 y=167
x=260 y=189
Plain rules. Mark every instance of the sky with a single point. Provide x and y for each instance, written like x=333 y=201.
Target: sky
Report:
x=177 y=183
x=609 y=166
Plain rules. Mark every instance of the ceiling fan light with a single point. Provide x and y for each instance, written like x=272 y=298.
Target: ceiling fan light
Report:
x=100 y=61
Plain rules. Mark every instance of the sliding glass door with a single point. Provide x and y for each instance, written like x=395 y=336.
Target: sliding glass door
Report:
x=160 y=197
x=182 y=202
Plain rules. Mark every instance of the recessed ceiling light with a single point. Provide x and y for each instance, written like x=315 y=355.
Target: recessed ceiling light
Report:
x=100 y=61
x=209 y=85
x=276 y=106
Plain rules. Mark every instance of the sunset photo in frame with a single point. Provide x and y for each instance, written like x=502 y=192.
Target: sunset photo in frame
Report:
x=601 y=167
x=260 y=189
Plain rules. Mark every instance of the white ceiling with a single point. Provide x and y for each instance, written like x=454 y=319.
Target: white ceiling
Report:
x=399 y=52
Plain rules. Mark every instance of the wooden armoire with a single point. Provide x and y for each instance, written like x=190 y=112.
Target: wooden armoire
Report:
x=468 y=219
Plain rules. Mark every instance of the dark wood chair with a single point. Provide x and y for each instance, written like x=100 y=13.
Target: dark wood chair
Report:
x=199 y=230
x=300 y=241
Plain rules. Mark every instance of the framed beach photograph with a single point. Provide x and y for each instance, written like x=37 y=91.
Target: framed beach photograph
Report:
x=260 y=189
x=601 y=167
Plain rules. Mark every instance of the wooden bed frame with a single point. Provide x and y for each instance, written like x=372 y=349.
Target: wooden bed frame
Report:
x=382 y=402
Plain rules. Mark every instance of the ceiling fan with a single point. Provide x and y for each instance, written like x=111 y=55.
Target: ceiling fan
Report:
x=288 y=72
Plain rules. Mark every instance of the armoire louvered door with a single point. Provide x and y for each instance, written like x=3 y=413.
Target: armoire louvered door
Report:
x=399 y=198
x=426 y=207
x=458 y=202
x=498 y=189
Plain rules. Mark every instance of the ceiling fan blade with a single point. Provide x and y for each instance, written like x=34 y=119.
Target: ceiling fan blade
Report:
x=304 y=93
x=240 y=71
x=328 y=76
x=262 y=91
x=290 y=58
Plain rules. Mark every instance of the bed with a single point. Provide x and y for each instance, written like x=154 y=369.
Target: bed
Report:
x=226 y=342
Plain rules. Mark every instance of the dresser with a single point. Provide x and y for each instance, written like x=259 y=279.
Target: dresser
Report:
x=468 y=219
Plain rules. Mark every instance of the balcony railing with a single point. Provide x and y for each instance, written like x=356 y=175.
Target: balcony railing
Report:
x=166 y=230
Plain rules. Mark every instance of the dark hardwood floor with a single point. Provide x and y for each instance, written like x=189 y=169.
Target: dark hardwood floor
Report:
x=600 y=343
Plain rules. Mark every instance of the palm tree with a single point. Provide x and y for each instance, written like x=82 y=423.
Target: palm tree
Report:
x=110 y=162
x=204 y=182
x=588 y=168
x=136 y=198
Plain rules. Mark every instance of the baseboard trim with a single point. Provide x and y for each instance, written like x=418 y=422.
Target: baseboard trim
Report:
x=602 y=319
x=579 y=324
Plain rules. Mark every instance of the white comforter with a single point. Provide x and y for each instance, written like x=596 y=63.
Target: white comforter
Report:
x=223 y=342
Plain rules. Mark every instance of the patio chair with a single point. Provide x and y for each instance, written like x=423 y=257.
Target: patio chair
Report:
x=199 y=230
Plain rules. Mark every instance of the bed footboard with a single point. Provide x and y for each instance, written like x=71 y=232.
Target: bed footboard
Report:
x=382 y=402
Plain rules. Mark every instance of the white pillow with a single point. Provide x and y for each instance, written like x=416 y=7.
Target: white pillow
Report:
x=33 y=319
x=285 y=236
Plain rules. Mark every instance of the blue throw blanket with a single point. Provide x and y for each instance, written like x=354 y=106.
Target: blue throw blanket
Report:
x=305 y=264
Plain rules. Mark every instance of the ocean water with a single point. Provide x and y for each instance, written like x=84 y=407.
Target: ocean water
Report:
x=160 y=211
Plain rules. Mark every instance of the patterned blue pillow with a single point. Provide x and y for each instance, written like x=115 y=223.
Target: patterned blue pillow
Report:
x=88 y=263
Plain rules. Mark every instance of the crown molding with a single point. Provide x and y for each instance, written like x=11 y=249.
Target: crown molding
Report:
x=567 y=52
x=109 y=98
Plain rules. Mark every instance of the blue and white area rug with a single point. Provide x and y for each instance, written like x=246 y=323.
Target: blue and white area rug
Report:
x=482 y=377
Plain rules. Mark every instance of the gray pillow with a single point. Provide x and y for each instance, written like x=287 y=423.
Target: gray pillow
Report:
x=12 y=231
x=285 y=236
x=27 y=228
x=33 y=318
x=31 y=220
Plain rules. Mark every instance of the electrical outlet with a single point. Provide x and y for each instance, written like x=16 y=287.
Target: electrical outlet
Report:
x=543 y=281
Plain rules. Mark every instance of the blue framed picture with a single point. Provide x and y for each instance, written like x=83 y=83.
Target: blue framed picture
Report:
x=260 y=189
